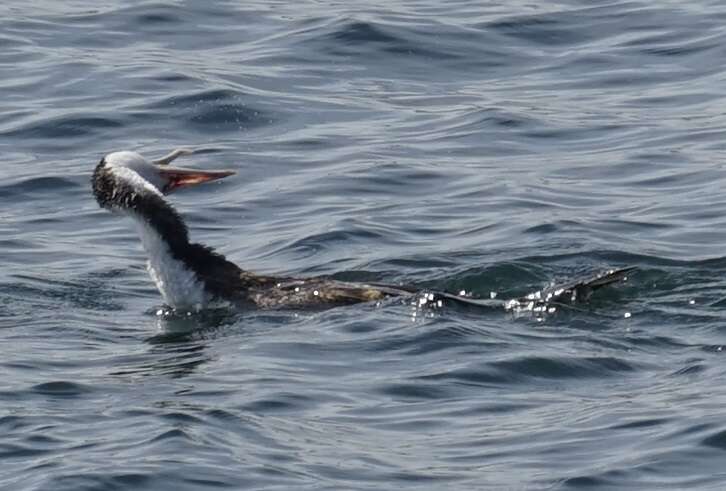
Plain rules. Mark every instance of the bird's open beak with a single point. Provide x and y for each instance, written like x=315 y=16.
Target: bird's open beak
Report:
x=176 y=177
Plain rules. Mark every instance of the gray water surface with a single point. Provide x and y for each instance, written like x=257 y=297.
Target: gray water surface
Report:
x=484 y=146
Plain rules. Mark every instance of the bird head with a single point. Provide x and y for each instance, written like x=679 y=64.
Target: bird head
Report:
x=121 y=178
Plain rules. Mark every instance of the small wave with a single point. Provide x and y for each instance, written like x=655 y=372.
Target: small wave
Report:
x=350 y=36
x=362 y=32
x=281 y=403
x=545 y=29
x=62 y=388
x=43 y=185
x=532 y=368
x=217 y=110
x=65 y=127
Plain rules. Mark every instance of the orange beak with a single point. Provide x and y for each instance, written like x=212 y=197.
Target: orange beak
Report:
x=178 y=178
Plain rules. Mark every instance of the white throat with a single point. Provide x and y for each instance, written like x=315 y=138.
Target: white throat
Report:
x=178 y=284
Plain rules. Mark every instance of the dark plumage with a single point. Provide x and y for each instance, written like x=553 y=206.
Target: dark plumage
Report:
x=220 y=277
x=127 y=183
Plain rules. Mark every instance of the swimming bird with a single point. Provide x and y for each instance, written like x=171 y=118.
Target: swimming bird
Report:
x=192 y=276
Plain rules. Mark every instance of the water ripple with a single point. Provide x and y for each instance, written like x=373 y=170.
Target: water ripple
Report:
x=492 y=148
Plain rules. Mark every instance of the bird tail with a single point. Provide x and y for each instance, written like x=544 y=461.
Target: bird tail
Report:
x=574 y=291
x=607 y=278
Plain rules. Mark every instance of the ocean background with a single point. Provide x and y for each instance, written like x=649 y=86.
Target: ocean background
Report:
x=493 y=147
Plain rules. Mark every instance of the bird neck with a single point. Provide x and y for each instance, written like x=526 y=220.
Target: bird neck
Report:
x=177 y=282
x=187 y=274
